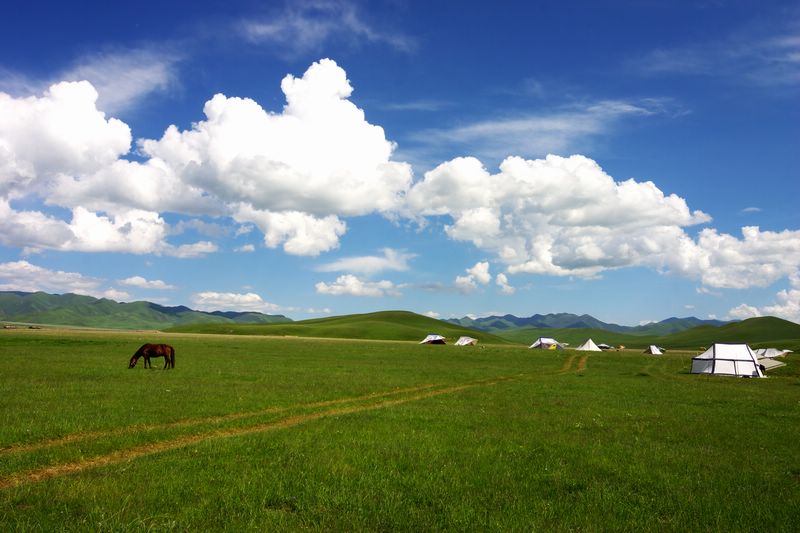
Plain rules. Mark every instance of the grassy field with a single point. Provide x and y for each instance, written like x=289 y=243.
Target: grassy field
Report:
x=269 y=433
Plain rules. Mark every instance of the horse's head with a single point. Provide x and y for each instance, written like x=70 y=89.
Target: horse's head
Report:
x=133 y=362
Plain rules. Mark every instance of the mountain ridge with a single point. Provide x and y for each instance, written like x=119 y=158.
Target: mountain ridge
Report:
x=508 y=322
x=71 y=309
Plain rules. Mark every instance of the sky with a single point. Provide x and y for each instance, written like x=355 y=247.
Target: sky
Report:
x=632 y=160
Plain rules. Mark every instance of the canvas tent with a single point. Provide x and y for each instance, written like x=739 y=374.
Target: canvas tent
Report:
x=589 y=346
x=727 y=360
x=770 y=353
x=604 y=346
x=653 y=350
x=546 y=343
x=466 y=341
x=433 y=339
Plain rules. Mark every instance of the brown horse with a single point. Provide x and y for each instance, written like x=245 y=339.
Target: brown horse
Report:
x=154 y=350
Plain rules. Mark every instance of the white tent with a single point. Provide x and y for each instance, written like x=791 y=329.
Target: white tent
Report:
x=770 y=353
x=433 y=339
x=604 y=346
x=727 y=360
x=546 y=343
x=466 y=341
x=589 y=346
x=653 y=350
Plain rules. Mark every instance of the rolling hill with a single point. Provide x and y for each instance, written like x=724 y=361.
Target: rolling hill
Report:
x=383 y=325
x=86 y=311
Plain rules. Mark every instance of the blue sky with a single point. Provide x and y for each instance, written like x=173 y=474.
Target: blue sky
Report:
x=630 y=160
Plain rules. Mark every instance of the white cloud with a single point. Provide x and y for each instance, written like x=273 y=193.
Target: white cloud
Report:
x=116 y=295
x=350 y=285
x=749 y=210
x=479 y=273
x=766 y=56
x=533 y=134
x=142 y=283
x=393 y=260
x=432 y=314
x=305 y=26
x=556 y=216
x=744 y=311
x=758 y=259
x=787 y=305
x=124 y=77
x=229 y=301
x=292 y=174
x=27 y=277
x=501 y=280
x=246 y=248
x=60 y=133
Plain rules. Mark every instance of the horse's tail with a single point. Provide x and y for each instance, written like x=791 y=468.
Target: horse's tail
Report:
x=171 y=357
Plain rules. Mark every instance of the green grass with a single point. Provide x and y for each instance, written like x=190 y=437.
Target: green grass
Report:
x=383 y=325
x=421 y=438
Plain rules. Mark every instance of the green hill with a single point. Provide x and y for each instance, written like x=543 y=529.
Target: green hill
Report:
x=383 y=325
x=86 y=311
x=757 y=332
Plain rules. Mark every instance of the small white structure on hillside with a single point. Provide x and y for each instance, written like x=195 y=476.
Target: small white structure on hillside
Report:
x=433 y=339
x=604 y=346
x=653 y=350
x=770 y=363
x=589 y=346
x=727 y=360
x=546 y=343
x=466 y=341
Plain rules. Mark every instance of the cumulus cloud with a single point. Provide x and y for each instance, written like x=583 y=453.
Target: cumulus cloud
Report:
x=349 y=285
x=230 y=301
x=501 y=280
x=27 y=277
x=246 y=248
x=786 y=306
x=557 y=216
x=142 y=283
x=368 y=265
x=479 y=273
x=432 y=314
x=292 y=174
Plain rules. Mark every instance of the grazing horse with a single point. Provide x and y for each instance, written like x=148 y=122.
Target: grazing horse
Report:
x=154 y=350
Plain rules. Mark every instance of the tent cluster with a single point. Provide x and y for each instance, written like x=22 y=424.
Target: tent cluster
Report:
x=433 y=338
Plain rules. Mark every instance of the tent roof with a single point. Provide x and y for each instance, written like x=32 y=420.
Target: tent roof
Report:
x=654 y=350
x=589 y=346
x=466 y=341
x=433 y=338
x=730 y=352
x=770 y=352
x=545 y=341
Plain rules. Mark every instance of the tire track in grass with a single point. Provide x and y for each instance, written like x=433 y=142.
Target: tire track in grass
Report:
x=582 y=363
x=129 y=454
x=567 y=364
x=95 y=435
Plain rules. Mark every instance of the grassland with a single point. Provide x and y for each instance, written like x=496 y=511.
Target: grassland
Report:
x=281 y=434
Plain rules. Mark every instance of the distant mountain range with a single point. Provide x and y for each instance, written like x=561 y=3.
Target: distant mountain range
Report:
x=495 y=324
x=78 y=310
